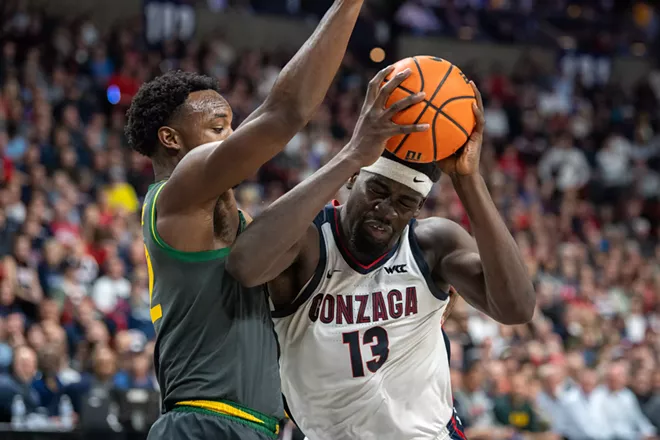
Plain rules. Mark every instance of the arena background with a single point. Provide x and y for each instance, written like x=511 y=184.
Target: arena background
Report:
x=572 y=159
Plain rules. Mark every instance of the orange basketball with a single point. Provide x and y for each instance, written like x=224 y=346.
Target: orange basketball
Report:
x=447 y=108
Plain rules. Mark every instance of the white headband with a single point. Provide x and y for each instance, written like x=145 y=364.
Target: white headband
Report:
x=398 y=172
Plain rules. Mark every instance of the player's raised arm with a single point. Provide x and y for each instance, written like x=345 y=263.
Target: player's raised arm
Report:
x=273 y=241
x=206 y=173
x=491 y=274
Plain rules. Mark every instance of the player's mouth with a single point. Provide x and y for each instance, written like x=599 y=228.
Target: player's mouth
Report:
x=378 y=230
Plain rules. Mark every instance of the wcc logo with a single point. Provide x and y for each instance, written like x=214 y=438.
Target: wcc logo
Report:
x=399 y=268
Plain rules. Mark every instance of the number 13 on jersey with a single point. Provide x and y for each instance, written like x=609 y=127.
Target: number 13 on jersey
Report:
x=376 y=338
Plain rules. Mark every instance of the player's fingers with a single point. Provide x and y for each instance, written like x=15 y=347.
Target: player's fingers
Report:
x=403 y=104
x=479 y=118
x=407 y=129
x=376 y=82
x=477 y=94
x=385 y=91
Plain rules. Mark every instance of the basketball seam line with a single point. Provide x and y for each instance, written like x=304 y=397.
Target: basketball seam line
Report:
x=419 y=70
x=435 y=119
x=435 y=142
x=455 y=98
x=451 y=67
x=439 y=111
x=410 y=92
x=450 y=119
x=430 y=104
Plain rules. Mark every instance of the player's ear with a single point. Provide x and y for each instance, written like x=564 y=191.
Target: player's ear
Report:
x=351 y=181
x=170 y=139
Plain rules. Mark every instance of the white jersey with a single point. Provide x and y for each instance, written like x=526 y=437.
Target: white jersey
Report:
x=363 y=354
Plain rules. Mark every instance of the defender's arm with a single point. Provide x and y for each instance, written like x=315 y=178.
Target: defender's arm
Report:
x=206 y=173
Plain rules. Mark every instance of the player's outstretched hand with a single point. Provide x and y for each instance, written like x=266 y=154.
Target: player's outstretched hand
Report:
x=466 y=159
x=375 y=125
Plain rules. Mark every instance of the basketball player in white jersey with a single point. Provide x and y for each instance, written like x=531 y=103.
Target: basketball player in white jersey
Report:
x=359 y=289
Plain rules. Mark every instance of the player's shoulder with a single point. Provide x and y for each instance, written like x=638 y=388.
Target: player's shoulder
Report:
x=186 y=173
x=199 y=152
x=439 y=236
x=312 y=246
x=435 y=228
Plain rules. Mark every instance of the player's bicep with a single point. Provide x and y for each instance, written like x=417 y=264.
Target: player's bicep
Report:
x=460 y=266
x=464 y=271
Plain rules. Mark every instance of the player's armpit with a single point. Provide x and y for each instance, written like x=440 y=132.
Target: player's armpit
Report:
x=453 y=258
x=453 y=299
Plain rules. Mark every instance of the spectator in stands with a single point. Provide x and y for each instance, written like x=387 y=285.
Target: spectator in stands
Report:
x=564 y=165
x=19 y=383
x=476 y=407
x=109 y=289
x=549 y=401
x=48 y=383
x=5 y=348
x=623 y=418
x=102 y=380
x=515 y=409
x=647 y=398
x=584 y=416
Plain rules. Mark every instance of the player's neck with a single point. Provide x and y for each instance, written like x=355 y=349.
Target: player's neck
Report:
x=163 y=167
x=164 y=163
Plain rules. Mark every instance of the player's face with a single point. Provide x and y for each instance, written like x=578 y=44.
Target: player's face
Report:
x=378 y=211
x=207 y=118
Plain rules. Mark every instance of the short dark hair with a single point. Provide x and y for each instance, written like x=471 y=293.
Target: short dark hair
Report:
x=429 y=169
x=157 y=102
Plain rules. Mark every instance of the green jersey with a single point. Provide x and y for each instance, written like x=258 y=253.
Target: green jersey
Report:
x=215 y=339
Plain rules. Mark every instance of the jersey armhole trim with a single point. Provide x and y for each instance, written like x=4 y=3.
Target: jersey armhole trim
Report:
x=316 y=279
x=190 y=257
x=447 y=345
x=423 y=265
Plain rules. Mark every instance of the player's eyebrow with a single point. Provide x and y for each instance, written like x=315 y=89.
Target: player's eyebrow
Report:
x=220 y=116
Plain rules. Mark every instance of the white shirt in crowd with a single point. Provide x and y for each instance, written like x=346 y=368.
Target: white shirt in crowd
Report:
x=605 y=415
x=569 y=164
x=614 y=161
x=107 y=292
x=497 y=122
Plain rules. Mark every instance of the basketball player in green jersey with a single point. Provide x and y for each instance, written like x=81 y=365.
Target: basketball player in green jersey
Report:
x=216 y=354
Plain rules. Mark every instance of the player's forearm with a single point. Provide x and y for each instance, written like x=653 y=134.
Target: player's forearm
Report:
x=269 y=240
x=511 y=296
x=305 y=80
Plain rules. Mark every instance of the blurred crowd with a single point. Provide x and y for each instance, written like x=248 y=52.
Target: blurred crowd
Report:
x=573 y=167
x=608 y=26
